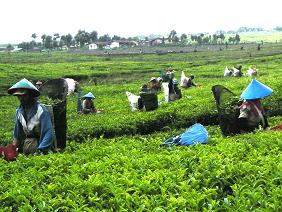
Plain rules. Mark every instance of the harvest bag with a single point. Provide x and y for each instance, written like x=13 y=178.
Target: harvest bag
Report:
x=196 y=134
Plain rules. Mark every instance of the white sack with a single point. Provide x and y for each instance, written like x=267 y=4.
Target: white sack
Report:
x=71 y=85
x=183 y=80
x=133 y=100
x=166 y=91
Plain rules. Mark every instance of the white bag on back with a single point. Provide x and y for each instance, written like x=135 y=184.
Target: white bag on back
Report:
x=236 y=72
x=166 y=91
x=71 y=85
x=183 y=80
x=227 y=72
x=133 y=100
x=251 y=72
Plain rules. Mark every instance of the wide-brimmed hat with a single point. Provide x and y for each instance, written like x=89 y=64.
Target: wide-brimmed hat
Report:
x=256 y=90
x=23 y=87
x=89 y=95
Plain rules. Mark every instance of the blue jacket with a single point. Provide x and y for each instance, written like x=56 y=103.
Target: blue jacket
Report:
x=37 y=123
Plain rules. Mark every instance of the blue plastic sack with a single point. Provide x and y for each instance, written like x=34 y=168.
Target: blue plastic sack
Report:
x=196 y=134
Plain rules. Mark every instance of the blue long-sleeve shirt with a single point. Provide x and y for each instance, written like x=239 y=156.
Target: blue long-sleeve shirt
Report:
x=36 y=123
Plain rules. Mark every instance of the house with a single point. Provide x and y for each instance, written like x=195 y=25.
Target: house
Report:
x=103 y=45
x=114 y=45
x=16 y=49
x=128 y=43
x=92 y=46
x=156 y=41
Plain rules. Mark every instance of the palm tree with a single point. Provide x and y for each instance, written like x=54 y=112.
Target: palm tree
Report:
x=43 y=37
x=34 y=36
x=171 y=36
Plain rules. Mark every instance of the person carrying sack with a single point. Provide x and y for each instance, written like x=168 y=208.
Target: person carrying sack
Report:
x=33 y=131
x=174 y=91
x=148 y=99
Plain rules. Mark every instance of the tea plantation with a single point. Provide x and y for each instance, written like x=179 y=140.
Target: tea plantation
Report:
x=114 y=162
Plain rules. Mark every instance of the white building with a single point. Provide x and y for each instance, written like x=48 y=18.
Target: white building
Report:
x=114 y=45
x=92 y=46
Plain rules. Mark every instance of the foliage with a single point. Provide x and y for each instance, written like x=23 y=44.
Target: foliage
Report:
x=113 y=161
x=133 y=173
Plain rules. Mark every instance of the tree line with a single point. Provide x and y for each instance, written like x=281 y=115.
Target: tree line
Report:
x=83 y=38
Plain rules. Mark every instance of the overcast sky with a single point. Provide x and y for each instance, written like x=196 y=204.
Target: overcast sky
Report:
x=20 y=18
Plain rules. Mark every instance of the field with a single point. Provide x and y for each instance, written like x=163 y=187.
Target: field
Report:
x=113 y=161
x=261 y=36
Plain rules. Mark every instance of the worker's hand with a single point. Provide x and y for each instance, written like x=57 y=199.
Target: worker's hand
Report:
x=10 y=152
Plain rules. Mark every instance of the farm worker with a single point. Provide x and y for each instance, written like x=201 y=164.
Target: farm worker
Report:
x=88 y=104
x=252 y=71
x=154 y=84
x=167 y=75
x=228 y=72
x=252 y=113
x=148 y=98
x=78 y=92
x=174 y=91
x=170 y=73
x=33 y=131
x=190 y=82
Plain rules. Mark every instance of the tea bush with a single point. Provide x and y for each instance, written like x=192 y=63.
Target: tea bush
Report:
x=113 y=160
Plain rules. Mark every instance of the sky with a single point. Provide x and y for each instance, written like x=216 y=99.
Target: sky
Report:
x=19 y=19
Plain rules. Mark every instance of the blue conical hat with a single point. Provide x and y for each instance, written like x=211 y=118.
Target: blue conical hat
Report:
x=256 y=90
x=24 y=84
x=89 y=95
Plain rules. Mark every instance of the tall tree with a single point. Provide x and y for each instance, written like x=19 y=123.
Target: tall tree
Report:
x=34 y=36
x=175 y=39
x=69 y=40
x=237 y=38
x=55 y=41
x=48 y=42
x=9 y=47
x=222 y=37
x=66 y=40
x=43 y=37
x=56 y=36
x=183 y=38
x=214 y=38
x=93 y=36
x=105 y=38
x=82 y=37
x=171 y=35
x=116 y=38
